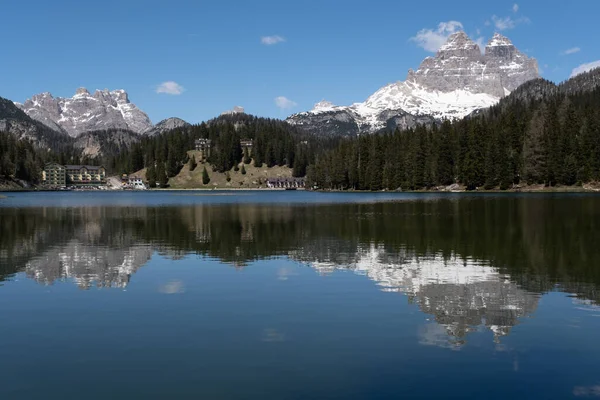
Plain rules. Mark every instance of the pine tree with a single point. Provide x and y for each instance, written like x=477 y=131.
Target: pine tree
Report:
x=192 y=163
x=534 y=161
x=137 y=158
x=172 y=168
x=151 y=176
x=161 y=175
x=205 y=177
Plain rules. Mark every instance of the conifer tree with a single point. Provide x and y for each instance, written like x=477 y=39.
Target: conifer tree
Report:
x=151 y=176
x=205 y=177
x=161 y=175
x=192 y=163
x=247 y=158
x=534 y=166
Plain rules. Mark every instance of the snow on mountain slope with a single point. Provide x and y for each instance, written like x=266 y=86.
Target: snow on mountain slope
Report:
x=453 y=84
x=86 y=112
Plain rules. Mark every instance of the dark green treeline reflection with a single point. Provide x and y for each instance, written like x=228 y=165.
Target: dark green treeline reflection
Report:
x=536 y=242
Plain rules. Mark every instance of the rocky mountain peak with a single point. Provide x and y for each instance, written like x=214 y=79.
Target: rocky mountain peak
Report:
x=458 y=80
x=234 y=110
x=499 y=40
x=84 y=112
x=167 y=125
x=458 y=45
x=121 y=96
x=82 y=92
x=323 y=106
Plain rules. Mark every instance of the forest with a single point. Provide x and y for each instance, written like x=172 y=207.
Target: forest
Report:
x=540 y=134
x=274 y=143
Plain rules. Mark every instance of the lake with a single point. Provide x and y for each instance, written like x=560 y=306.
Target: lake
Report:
x=298 y=295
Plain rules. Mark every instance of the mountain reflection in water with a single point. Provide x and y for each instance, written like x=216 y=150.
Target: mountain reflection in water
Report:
x=468 y=263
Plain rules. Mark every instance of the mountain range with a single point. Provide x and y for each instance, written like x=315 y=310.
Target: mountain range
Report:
x=89 y=122
x=458 y=80
x=86 y=112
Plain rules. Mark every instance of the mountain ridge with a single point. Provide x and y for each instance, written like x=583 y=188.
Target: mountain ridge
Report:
x=87 y=112
x=457 y=81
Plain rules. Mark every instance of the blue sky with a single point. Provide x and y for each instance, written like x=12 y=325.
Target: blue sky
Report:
x=271 y=57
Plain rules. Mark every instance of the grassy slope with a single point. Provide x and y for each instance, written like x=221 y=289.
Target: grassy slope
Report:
x=254 y=177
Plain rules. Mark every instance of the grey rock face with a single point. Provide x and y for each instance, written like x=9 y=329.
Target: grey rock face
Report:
x=95 y=143
x=459 y=65
x=13 y=120
x=167 y=125
x=85 y=112
x=334 y=123
x=456 y=82
x=234 y=110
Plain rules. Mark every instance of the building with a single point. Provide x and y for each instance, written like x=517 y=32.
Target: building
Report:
x=246 y=143
x=85 y=175
x=54 y=175
x=204 y=146
x=135 y=182
x=286 y=183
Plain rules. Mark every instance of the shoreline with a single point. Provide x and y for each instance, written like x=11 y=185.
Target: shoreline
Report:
x=562 y=189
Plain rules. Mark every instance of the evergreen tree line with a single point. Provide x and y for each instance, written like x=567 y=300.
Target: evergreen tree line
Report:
x=275 y=143
x=20 y=159
x=549 y=137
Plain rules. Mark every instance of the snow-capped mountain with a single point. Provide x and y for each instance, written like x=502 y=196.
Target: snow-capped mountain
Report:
x=86 y=112
x=453 y=84
x=88 y=265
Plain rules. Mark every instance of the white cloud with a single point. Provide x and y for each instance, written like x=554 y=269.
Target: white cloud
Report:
x=505 y=23
x=515 y=7
x=172 y=287
x=585 y=68
x=432 y=39
x=271 y=40
x=572 y=50
x=170 y=87
x=284 y=103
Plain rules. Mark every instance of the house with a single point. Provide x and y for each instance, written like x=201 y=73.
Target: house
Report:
x=204 y=146
x=54 y=175
x=85 y=174
x=246 y=143
x=286 y=183
x=135 y=182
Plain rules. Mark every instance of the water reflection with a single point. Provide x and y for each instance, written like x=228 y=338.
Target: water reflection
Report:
x=461 y=294
x=468 y=263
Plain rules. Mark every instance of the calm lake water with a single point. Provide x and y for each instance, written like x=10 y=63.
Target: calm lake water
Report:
x=298 y=295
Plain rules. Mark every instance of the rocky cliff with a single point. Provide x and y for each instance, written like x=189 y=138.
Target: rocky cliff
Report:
x=87 y=112
x=454 y=83
x=166 y=125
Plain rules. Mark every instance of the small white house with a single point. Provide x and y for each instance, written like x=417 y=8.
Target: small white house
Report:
x=136 y=182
